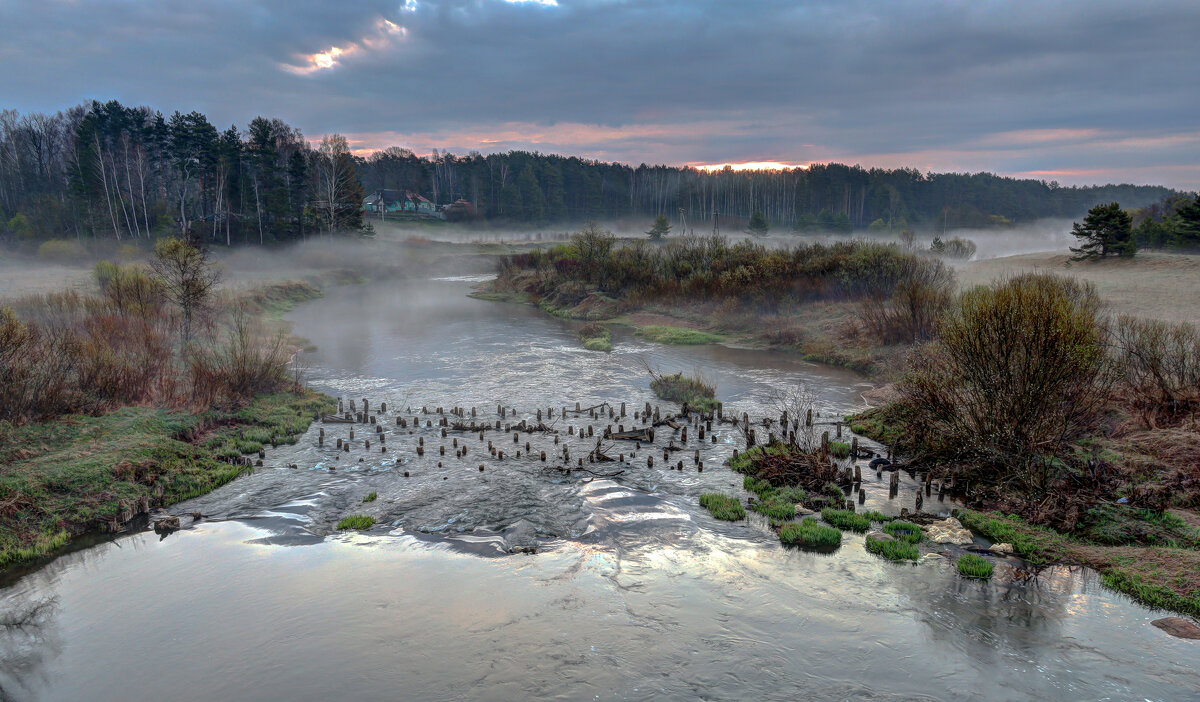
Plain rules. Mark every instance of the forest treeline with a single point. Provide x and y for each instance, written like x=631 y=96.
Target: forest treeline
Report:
x=113 y=171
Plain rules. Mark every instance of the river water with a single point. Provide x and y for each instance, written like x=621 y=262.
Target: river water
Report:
x=633 y=593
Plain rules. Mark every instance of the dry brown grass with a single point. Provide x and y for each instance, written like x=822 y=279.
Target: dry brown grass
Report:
x=1152 y=285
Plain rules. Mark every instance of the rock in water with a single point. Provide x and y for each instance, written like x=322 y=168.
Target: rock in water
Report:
x=1001 y=549
x=1178 y=626
x=949 y=531
x=880 y=536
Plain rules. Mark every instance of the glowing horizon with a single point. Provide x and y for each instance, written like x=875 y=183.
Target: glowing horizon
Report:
x=748 y=166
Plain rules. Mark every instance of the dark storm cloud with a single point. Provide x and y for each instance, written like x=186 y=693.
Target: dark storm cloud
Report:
x=1076 y=91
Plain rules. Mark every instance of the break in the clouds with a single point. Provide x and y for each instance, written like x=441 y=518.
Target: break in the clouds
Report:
x=1076 y=92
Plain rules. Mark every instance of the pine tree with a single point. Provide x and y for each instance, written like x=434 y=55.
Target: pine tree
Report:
x=1186 y=225
x=1107 y=230
x=758 y=224
x=660 y=229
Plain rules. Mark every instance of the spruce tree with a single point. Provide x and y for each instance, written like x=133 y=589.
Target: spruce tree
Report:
x=1106 y=231
x=660 y=229
x=1186 y=225
x=758 y=224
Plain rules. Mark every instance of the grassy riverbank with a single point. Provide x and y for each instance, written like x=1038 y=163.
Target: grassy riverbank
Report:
x=108 y=410
x=79 y=474
x=1166 y=576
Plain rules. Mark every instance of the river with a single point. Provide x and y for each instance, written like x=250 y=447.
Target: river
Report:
x=633 y=593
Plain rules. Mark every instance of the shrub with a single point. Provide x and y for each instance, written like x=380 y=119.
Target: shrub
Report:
x=910 y=315
x=1018 y=371
x=723 y=506
x=356 y=522
x=245 y=365
x=893 y=550
x=845 y=519
x=1160 y=368
x=973 y=566
x=808 y=532
x=959 y=248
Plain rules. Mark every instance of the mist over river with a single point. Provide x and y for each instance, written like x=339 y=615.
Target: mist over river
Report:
x=633 y=592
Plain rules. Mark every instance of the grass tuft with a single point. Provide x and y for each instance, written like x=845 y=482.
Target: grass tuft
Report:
x=893 y=550
x=370 y=498
x=356 y=521
x=723 y=506
x=904 y=531
x=846 y=520
x=973 y=566
x=811 y=533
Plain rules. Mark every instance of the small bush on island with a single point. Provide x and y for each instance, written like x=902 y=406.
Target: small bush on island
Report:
x=694 y=391
x=723 y=506
x=595 y=337
x=972 y=566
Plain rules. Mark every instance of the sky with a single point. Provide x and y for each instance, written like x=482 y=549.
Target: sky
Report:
x=1079 y=92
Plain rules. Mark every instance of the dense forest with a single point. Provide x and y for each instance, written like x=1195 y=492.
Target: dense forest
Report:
x=112 y=171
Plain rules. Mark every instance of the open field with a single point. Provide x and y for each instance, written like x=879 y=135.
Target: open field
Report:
x=1151 y=285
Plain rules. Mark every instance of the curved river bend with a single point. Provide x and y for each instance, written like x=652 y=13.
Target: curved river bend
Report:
x=633 y=593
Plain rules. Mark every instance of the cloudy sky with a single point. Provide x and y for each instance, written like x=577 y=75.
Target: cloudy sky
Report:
x=1079 y=92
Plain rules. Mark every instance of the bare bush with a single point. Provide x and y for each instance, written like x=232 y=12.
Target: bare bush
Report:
x=1018 y=371
x=1160 y=367
x=244 y=365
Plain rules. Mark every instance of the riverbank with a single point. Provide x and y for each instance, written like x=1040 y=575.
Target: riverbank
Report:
x=820 y=331
x=1165 y=576
x=101 y=471
x=77 y=474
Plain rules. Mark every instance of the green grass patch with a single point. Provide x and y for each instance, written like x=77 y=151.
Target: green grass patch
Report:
x=973 y=566
x=846 y=520
x=1155 y=576
x=1038 y=545
x=809 y=532
x=876 y=516
x=904 y=531
x=839 y=449
x=893 y=550
x=723 y=506
x=370 y=498
x=884 y=424
x=677 y=335
x=776 y=506
x=357 y=522
x=1119 y=525
x=835 y=492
